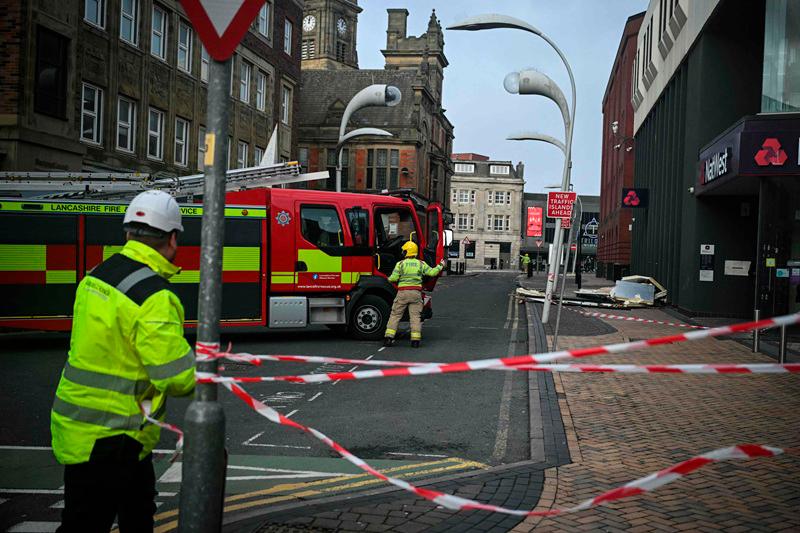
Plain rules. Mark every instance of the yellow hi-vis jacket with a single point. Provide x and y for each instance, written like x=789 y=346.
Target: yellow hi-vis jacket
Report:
x=127 y=346
x=408 y=273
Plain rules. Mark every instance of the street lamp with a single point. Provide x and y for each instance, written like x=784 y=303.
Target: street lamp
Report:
x=377 y=95
x=495 y=21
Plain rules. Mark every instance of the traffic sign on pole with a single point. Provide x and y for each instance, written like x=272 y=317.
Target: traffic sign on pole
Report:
x=539 y=243
x=559 y=205
x=221 y=24
x=466 y=241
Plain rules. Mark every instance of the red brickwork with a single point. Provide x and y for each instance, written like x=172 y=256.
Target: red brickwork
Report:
x=11 y=29
x=623 y=426
x=614 y=245
x=469 y=156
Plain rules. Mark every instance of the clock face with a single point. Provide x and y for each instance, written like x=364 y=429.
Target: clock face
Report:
x=309 y=23
x=341 y=26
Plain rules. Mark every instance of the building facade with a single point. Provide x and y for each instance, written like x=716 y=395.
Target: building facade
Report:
x=538 y=230
x=486 y=201
x=614 y=244
x=717 y=131
x=101 y=85
x=417 y=156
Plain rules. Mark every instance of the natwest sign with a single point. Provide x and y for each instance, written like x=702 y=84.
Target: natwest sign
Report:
x=716 y=165
x=559 y=204
x=534 y=222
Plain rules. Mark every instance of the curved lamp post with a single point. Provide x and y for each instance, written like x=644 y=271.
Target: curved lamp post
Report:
x=533 y=136
x=360 y=132
x=495 y=21
x=378 y=95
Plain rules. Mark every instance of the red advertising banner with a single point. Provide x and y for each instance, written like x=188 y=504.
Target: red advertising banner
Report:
x=535 y=221
x=559 y=204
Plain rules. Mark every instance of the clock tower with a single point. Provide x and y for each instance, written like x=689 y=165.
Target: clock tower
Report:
x=328 y=35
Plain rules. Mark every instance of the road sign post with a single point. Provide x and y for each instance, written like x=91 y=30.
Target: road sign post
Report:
x=220 y=24
x=203 y=476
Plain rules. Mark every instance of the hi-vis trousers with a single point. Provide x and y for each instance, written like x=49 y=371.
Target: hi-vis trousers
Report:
x=413 y=300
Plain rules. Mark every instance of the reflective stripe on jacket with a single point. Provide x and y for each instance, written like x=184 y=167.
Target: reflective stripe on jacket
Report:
x=127 y=346
x=408 y=273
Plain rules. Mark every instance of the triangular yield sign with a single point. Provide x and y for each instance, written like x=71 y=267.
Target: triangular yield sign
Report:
x=221 y=24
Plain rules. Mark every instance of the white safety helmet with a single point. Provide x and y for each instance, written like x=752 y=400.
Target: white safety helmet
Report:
x=155 y=209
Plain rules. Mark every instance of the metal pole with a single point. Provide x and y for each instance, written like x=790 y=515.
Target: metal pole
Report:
x=564 y=278
x=756 y=332
x=203 y=478
x=339 y=150
x=558 y=237
x=782 y=346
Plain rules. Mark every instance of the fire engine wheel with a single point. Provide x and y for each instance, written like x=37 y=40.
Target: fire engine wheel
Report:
x=370 y=317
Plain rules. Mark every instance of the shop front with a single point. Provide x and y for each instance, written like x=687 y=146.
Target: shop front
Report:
x=755 y=165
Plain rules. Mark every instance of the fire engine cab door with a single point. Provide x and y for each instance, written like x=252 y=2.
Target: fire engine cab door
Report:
x=321 y=247
x=434 y=240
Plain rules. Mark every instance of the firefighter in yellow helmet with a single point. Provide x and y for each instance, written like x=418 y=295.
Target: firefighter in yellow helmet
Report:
x=127 y=353
x=408 y=275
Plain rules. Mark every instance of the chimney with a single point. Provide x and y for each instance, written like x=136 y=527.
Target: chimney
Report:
x=520 y=170
x=398 y=24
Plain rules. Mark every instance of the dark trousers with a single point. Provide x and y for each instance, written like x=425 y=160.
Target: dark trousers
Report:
x=530 y=269
x=114 y=483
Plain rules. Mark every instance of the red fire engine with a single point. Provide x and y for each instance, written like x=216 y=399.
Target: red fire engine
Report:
x=292 y=258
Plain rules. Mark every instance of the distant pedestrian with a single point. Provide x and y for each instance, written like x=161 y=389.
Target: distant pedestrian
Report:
x=408 y=275
x=127 y=352
x=527 y=264
x=578 y=269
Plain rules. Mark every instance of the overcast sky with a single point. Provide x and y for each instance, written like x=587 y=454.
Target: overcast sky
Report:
x=483 y=113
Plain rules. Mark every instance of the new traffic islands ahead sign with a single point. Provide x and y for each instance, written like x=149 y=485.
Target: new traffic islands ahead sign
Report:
x=221 y=24
x=559 y=204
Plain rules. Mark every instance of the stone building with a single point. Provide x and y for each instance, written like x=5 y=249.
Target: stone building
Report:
x=486 y=201
x=417 y=156
x=121 y=86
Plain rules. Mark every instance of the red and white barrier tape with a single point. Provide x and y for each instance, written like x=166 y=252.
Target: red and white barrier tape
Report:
x=145 y=409
x=636 y=319
x=484 y=364
x=456 y=503
x=745 y=368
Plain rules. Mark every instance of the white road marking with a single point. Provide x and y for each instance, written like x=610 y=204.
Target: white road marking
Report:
x=58 y=505
x=280 y=446
x=382 y=348
x=504 y=420
x=286 y=471
x=251 y=439
x=249 y=442
x=34 y=527
x=317 y=395
x=173 y=474
x=32 y=491
x=2 y=501
x=416 y=454
x=290 y=414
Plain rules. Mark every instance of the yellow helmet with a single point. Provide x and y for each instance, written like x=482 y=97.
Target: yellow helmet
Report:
x=411 y=249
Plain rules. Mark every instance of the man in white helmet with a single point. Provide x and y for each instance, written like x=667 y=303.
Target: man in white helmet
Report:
x=127 y=354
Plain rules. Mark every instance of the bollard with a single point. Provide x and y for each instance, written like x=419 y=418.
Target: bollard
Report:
x=756 y=340
x=782 y=346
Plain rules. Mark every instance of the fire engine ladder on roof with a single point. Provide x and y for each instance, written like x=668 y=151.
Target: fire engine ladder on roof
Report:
x=107 y=185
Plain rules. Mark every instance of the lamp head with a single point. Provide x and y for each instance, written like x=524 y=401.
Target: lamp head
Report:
x=392 y=96
x=511 y=83
x=493 y=21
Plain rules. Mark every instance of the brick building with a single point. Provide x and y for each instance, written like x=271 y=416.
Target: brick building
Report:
x=614 y=246
x=121 y=86
x=418 y=154
x=486 y=200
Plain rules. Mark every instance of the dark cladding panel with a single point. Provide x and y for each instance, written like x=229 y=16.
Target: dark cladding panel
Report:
x=38 y=229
